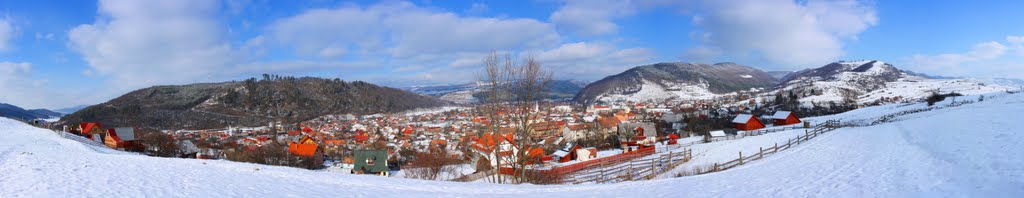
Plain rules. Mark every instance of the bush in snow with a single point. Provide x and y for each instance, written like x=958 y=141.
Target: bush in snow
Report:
x=936 y=97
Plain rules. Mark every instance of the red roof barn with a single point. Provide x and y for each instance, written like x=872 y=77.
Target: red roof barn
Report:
x=747 y=122
x=785 y=118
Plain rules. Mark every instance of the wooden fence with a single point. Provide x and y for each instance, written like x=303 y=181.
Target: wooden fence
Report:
x=742 y=134
x=636 y=169
x=772 y=130
x=604 y=161
x=78 y=138
x=741 y=159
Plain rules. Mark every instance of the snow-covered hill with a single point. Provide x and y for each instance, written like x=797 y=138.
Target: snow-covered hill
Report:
x=870 y=81
x=675 y=81
x=965 y=151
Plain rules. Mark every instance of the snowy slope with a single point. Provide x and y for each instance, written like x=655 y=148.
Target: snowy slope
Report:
x=675 y=80
x=966 y=151
x=650 y=91
x=869 y=81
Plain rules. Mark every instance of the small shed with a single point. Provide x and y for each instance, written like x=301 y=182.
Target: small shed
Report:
x=716 y=134
x=672 y=139
x=370 y=162
x=568 y=153
x=585 y=154
x=747 y=122
x=781 y=118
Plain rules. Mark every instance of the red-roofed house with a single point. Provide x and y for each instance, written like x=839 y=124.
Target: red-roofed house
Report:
x=91 y=130
x=785 y=118
x=672 y=139
x=747 y=122
x=123 y=138
x=492 y=146
x=361 y=137
x=305 y=147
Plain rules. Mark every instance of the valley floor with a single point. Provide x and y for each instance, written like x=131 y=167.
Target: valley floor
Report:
x=967 y=151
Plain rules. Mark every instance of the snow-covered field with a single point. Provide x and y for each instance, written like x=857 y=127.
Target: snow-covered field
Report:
x=916 y=87
x=967 y=151
x=461 y=97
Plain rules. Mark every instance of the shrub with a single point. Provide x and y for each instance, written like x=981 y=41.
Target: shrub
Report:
x=544 y=177
x=936 y=97
x=432 y=166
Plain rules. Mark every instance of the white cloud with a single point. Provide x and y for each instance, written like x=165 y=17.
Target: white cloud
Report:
x=7 y=33
x=477 y=8
x=702 y=54
x=409 y=68
x=1015 y=39
x=11 y=70
x=404 y=30
x=21 y=89
x=41 y=36
x=980 y=52
x=986 y=59
x=574 y=52
x=585 y=61
x=1016 y=44
x=142 y=43
x=591 y=17
x=783 y=31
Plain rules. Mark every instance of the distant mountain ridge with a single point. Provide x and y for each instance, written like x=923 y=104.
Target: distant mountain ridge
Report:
x=475 y=91
x=248 y=103
x=675 y=80
x=71 y=110
x=862 y=81
x=11 y=111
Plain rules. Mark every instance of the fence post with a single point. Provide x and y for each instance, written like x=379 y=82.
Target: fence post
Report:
x=670 y=164
x=741 y=157
x=630 y=170
x=602 y=173
x=716 y=167
x=776 y=147
x=653 y=165
x=760 y=154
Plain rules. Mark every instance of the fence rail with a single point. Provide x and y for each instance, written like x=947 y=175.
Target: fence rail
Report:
x=635 y=169
x=741 y=159
x=77 y=138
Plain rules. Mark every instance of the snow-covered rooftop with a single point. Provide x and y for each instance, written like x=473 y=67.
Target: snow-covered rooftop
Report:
x=741 y=118
x=781 y=115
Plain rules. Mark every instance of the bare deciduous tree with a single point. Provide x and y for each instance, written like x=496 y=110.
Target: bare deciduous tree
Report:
x=160 y=144
x=514 y=93
x=432 y=166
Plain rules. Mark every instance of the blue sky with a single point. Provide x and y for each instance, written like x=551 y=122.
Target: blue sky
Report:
x=57 y=54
